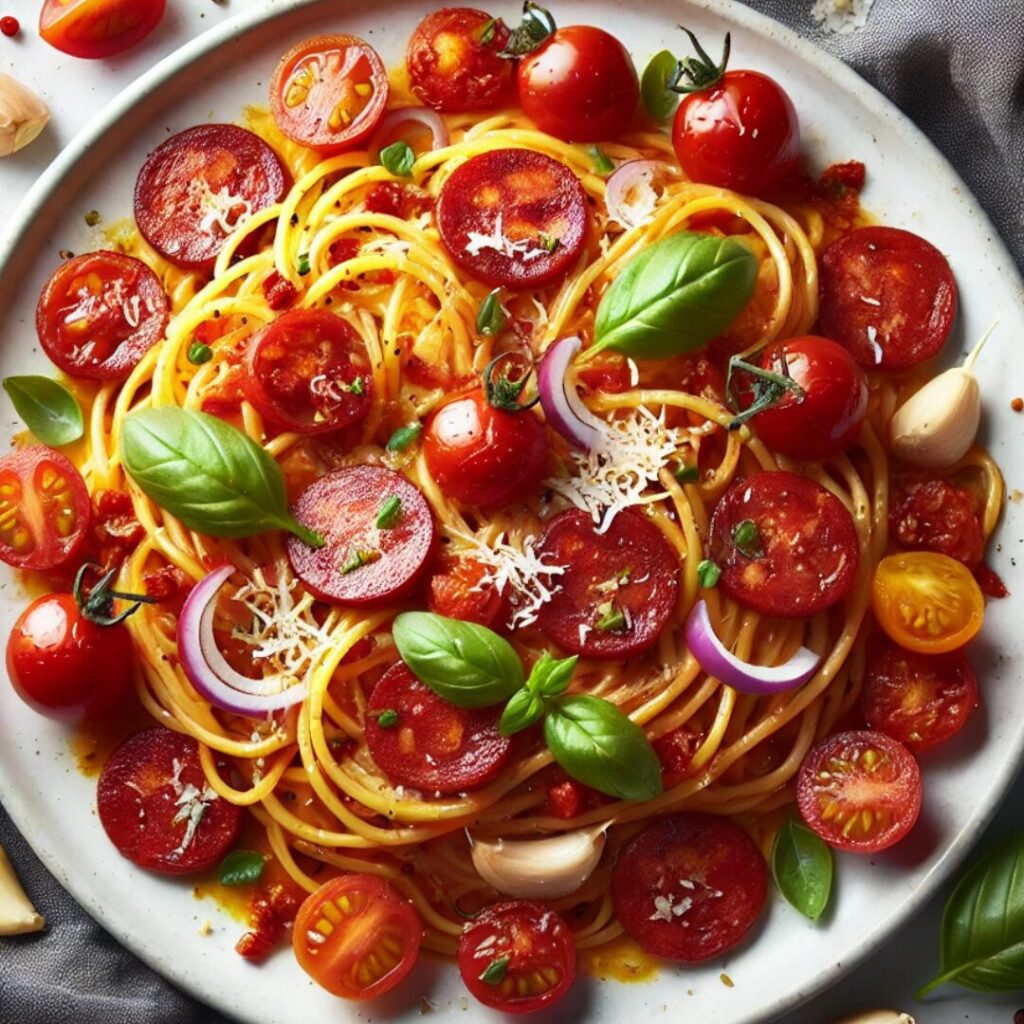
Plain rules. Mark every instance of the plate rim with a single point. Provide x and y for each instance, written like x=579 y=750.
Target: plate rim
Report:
x=740 y=15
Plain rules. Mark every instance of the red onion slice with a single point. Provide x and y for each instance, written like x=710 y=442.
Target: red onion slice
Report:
x=563 y=408
x=630 y=196
x=722 y=664
x=430 y=119
x=208 y=670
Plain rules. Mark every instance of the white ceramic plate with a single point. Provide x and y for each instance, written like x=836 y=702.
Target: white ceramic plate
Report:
x=788 y=960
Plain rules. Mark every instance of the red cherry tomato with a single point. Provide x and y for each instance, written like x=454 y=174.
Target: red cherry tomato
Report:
x=99 y=314
x=200 y=186
x=742 y=133
x=308 y=371
x=157 y=808
x=619 y=587
x=44 y=509
x=63 y=664
x=371 y=556
x=10 y=26
x=517 y=957
x=513 y=218
x=98 y=28
x=935 y=515
x=860 y=791
x=484 y=456
x=431 y=745
x=457 y=592
x=357 y=936
x=579 y=85
x=785 y=545
x=329 y=92
x=888 y=296
x=827 y=418
x=689 y=887
x=454 y=63
x=919 y=699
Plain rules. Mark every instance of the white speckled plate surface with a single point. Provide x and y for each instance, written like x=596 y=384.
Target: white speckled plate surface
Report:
x=910 y=186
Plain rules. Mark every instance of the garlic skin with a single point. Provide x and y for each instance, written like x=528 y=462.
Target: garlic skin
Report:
x=536 y=868
x=17 y=915
x=937 y=425
x=23 y=115
x=879 y=1017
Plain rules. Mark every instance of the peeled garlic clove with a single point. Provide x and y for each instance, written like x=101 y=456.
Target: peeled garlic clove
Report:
x=23 y=115
x=17 y=915
x=534 y=868
x=879 y=1017
x=937 y=425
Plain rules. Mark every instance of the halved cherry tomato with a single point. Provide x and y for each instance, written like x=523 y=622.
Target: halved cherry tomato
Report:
x=309 y=371
x=513 y=218
x=357 y=936
x=517 y=957
x=200 y=186
x=579 y=85
x=827 y=418
x=431 y=745
x=919 y=699
x=44 y=509
x=457 y=592
x=888 y=296
x=619 y=587
x=98 y=28
x=157 y=808
x=480 y=455
x=927 y=602
x=99 y=313
x=454 y=63
x=935 y=515
x=860 y=791
x=371 y=556
x=689 y=887
x=329 y=92
x=786 y=546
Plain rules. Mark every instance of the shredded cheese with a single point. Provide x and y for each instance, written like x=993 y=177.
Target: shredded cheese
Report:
x=192 y=804
x=221 y=209
x=500 y=242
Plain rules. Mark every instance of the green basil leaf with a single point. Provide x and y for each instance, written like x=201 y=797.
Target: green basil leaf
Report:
x=468 y=665
x=551 y=676
x=599 y=746
x=210 y=475
x=603 y=163
x=524 y=709
x=49 y=410
x=659 y=99
x=708 y=573
x=802 y=866
x=491 y=317
x=242 y=867
x=675 y=296
x=398 y=158
x=982 y=943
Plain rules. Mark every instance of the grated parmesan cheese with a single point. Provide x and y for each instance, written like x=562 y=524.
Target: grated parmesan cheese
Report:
x=191 y=803
x=841 y=16
x=500 y=242
x=218 y=207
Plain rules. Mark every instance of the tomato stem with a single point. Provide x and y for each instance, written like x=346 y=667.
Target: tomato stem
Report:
x=696 y=74
x=505 y=377
x=536 y=26
x=97 y=604
x=769 y=388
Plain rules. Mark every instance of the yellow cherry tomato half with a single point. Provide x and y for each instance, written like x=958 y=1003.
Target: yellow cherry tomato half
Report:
x=927 y=602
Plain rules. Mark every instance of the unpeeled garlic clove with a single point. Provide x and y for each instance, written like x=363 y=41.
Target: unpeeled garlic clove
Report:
x=937 y=425
x=879 y=1017
x=23 y=115
x=534 y=868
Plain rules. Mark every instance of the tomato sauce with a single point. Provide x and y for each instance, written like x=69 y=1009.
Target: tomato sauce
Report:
x=619 y=960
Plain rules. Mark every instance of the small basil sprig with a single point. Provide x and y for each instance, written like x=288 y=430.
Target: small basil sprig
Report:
x=802 y=866
x=982 y=939
x=241 y=867
x=659 y=99
x=675 y=296
x=398 y=158
x=208 y=474
x=49 y=410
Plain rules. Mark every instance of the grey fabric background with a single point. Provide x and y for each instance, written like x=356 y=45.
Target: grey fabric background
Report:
x=956 y=68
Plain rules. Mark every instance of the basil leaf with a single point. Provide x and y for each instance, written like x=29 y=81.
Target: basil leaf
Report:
x=675 y=296
x=468 y=665
x=207 y=473
x=241 y=867
x=599 y=746
x=659 y=99
x=398 y=158
x=982 y=943
x=708 y=573
x=491 y=317
x=523 y=710
x=49 y=410
x=802 y=866
x=550 y=676
x=603 y=163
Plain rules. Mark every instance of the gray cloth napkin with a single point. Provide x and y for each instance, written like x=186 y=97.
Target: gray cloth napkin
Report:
x=956 y=67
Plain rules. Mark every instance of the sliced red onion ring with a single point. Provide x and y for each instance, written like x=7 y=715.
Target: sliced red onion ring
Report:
x=430 y=119
x=208 y=670
x=563 y=408
x=713 y=657
x=619 y=199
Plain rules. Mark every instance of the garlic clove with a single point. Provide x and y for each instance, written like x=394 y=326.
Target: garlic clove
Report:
x=879 y=1017
x=937 y=425
x=17 y=915
x=23 y=115
x=534 y=868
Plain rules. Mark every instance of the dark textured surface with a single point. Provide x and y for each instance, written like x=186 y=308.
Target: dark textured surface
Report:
x=955 y=67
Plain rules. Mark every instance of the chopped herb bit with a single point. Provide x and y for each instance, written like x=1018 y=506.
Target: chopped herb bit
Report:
x=357 y=558
x=386 y=719
x=398 y=158
x=491 y=317
x=303 y=264
x=602 y=162
x=686 y=474
x=92 y=218
x=747 y=537
x=548 y=242
x=403 y=437
x=488 y=32
x=241 y=867
x=611 y=618
x=494 y=973
x=198 y=353
x=389 y=513
x=356 y=387
x=708 y=573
